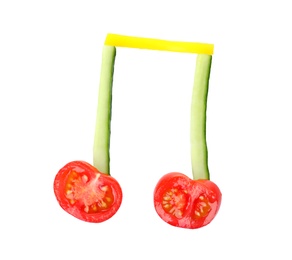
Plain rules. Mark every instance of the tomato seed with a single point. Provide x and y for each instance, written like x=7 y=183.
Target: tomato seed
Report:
x=104 y=188
x=108 y=199
x=203 y=204
x=84 y=178
x=167 y=198
x=102 y=204
x=94 y=207
x=166 y=206
x=178 y=214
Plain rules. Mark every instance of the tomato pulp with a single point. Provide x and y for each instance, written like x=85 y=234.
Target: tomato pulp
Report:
x=186 y=203
x=86 y=193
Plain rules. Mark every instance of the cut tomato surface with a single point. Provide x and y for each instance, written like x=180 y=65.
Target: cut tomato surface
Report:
x=186 y=203
x=86 y=193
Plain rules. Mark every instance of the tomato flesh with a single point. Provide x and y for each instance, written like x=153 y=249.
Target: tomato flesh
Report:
x=86 y=193
x=186 y=203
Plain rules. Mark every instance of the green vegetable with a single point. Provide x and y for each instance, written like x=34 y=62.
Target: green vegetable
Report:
x=199 y=150
x=101 y=154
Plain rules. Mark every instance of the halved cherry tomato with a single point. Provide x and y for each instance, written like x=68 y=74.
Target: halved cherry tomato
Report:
x=186 y=203
x=86 y=193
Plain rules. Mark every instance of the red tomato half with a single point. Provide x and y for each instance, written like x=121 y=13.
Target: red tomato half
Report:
x=86 y=193
x=186 y=203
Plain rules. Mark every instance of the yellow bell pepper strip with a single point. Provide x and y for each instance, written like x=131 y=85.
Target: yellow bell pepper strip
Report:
x=160 y=45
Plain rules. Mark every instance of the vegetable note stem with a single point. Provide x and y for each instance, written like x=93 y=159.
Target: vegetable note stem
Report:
x=199 y=150
x=101 y=154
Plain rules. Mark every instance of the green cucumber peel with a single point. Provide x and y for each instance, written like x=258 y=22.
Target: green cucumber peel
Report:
x=199 y=150
x=101 y=147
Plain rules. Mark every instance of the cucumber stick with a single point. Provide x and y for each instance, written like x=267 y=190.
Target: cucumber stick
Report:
x=199 y=150
x=101 y=147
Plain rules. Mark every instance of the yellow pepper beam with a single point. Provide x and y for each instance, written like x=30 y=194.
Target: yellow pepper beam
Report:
x=160 y=45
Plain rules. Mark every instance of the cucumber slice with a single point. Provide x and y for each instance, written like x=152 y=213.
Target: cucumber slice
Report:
x=199 y=150
x=101 y=147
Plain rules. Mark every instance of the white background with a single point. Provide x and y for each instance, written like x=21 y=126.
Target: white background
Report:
x=50 y=55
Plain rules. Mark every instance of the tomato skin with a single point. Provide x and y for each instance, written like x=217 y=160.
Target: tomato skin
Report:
x=186 y=203
x=87 y=183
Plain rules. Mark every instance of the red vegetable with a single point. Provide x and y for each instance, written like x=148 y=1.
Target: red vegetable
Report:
x=86 y=193
x=186 y=203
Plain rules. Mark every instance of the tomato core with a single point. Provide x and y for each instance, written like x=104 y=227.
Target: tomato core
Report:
x=90 y=194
